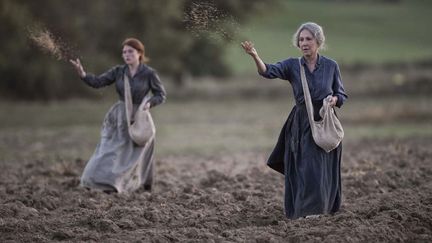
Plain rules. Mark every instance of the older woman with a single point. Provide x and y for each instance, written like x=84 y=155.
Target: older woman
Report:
x=312 y=176
x=118 y=164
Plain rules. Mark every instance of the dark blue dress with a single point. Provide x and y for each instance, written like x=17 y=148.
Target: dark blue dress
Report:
x=312 y=176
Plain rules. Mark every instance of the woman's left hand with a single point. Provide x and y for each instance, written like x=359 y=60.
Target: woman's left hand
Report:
x=333 y=101
x=147 y=106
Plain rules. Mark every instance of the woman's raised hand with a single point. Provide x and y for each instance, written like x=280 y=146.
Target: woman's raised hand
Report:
x=249 y=48
x=78 y=67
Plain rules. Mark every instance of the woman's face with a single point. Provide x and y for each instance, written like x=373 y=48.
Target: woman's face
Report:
x=130 y=55
x=307 y=43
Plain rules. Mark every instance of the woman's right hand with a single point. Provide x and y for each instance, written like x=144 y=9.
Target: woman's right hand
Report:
x=78 y=67
x=249 y=48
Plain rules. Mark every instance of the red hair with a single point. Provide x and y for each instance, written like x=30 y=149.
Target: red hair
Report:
x=137 y=45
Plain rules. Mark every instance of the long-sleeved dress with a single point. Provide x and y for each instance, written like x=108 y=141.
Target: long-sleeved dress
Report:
x=118 y=164
x=312 y=176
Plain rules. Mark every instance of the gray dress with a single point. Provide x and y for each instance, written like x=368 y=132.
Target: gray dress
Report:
x=118 y=164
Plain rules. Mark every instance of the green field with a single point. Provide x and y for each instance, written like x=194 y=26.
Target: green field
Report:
x=70 y=130
x=356 y=32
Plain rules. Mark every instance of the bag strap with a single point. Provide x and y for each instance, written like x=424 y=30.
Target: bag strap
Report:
x=306 y=94
x=127 y=99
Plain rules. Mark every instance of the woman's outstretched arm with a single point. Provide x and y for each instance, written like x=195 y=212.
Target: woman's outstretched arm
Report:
x=92 y=80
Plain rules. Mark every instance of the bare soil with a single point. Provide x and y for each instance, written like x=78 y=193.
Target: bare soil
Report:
x=387 y=191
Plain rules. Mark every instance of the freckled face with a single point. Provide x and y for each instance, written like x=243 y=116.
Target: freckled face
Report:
x=130 y=55
x=307 y=43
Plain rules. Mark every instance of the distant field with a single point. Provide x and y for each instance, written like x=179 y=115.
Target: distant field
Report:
x=355 y=31
x=200 y=127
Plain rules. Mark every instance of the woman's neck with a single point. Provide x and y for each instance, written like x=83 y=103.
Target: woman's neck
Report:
x=133 y=68
x=311 y=59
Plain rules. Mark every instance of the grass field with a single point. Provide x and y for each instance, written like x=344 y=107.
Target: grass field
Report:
x=196 y=127
x=356 y=31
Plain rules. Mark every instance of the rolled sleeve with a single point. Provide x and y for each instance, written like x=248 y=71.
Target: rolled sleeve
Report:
x=158 y=90
x=101 y=80
x=277 y=70
x=338 y=89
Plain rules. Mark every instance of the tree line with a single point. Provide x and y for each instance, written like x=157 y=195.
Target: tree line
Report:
x=182 y=38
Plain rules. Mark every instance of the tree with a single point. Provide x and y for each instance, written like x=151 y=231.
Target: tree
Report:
x=175 y=43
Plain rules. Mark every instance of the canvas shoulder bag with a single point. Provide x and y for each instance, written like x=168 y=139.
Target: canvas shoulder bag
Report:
x=140 y=124
x=327 y=132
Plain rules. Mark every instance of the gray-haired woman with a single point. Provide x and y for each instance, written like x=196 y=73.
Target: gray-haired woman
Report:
x=312 y=176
